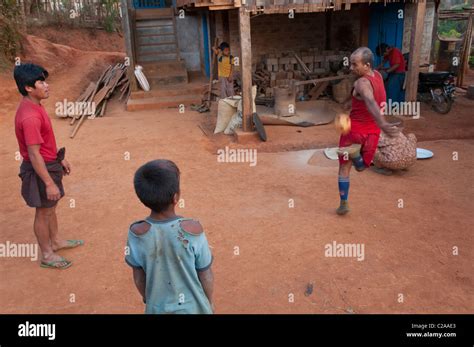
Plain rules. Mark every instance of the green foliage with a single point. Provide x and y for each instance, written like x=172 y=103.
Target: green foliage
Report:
x=10 y=17
x=112 y=15
x=451 y=28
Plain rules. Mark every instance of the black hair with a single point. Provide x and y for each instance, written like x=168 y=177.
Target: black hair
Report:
x=380 y=49
x=366 y=55
x=26 y=75
x=156 y=183
x=223 y=46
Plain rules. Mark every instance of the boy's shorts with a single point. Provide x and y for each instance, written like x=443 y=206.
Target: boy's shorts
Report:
x=33 y=188
x=227 y=88
x=369 y=144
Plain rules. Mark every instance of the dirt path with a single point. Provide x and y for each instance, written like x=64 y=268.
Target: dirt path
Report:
x=408 y=250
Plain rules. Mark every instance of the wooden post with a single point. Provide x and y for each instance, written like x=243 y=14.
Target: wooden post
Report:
x=415 y=51
x=246 y=68
x=463 y=69
x=327 y=43
x=364 y=25
x=127 y=27
x=434 y=39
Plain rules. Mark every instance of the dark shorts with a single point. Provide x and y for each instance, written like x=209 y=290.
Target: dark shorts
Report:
x=33 y=189
x=369 y=144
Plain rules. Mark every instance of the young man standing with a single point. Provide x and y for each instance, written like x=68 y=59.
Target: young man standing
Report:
x=42 y=169
x=359 y=145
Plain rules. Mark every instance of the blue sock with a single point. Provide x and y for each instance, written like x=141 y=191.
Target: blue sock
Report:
x=358 y=162
x=343 y=187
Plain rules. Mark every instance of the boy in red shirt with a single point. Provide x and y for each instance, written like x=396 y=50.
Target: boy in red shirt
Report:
x=43 y=166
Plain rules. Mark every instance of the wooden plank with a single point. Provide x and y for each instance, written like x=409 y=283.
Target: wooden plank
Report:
x=90 y=88
x=316 y=91
x=324 y=79
x=76 y=128
x=211 y=75
x=100 y=95
x=166 y=12
x=246 y=68
x=221 y=7
x=415 y=51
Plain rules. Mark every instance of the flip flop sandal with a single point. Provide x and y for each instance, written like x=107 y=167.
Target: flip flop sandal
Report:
x=73 y=244
x=52 y=264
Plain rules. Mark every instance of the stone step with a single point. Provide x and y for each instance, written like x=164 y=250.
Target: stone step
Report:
x=162 y=102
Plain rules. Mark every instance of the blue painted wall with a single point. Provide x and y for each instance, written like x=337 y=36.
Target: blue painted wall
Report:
x=385 y=26
x=205 y=37
x=149 y=3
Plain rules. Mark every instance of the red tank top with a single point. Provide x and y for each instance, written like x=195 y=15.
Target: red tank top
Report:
x=361 y=119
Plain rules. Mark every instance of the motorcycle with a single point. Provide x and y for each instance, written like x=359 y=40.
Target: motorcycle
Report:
x=435 y=88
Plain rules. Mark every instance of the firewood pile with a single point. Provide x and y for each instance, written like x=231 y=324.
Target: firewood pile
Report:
x=93 y=101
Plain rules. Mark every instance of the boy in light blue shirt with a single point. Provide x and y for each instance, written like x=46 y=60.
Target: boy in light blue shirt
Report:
x=169 y=254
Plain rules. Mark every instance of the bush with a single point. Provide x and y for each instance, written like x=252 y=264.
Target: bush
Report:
x=10 y=17
x=112 y=15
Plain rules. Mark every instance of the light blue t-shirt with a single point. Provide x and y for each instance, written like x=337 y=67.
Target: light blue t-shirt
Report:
x=171 y=259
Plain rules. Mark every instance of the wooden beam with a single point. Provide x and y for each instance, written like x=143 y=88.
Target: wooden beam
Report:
x=246 y=68
x=324 y=79
x=328 y=40
x=415 y=51
x=127 y=26
x=463 y=70
x=364 y=26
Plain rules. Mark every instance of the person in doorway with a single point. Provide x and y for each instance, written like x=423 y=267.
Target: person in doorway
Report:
x=359 y=145
x=43 y=166
x=395 y=72
x=169 y=254
x=225 y=69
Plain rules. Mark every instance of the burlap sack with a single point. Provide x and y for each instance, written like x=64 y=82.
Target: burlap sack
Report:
x=226 y=108
x=396 y=153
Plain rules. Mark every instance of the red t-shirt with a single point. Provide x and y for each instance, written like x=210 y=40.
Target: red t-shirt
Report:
x=33 y=127
x=361 y=119
x=396 y=57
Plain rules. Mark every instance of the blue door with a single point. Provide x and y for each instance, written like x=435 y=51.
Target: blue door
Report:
x=206 y=48
x=149 y=3
x=386 y=26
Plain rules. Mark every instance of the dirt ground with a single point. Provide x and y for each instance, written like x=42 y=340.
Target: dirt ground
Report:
x=408 y=250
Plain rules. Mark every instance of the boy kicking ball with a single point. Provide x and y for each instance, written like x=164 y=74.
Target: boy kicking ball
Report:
x=358 y=141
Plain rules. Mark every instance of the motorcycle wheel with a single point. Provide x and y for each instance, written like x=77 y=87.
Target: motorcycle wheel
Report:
x=441 y=103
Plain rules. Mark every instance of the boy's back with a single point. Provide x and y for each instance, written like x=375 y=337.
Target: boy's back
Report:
x=171 y=252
